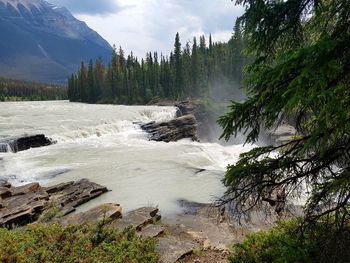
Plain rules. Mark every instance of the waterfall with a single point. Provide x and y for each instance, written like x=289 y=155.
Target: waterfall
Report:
x=8 y=146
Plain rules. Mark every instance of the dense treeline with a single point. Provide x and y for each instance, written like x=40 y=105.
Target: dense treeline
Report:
x=24 y=90
x=199 y=69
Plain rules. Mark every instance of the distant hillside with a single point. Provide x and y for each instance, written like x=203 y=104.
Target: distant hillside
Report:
x=18 y=90
x=43 y=42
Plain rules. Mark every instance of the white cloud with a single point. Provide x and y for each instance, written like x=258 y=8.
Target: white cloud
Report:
x=150 y=25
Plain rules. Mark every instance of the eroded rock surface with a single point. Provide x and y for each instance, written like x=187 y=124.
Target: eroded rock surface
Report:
x=174 y=130
x=138 y=218
x=103 y=212
x=172 y=248
x=24 y=204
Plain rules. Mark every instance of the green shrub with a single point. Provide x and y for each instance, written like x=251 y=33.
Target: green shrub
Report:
x=84 y=244
x=280 y=244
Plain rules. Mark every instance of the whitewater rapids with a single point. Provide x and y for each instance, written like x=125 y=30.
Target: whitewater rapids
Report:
x=104 y=144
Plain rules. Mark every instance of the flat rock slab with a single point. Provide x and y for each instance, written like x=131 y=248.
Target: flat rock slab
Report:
x=174 y=130
x=24 y=204
x=76 y=193
x=138 y=218
x=171 y=248
x=102 y=212
x=24 y=143
x=151 y=231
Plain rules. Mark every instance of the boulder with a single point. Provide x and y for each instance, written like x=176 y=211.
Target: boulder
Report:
x=174 y=130
x=24 y=143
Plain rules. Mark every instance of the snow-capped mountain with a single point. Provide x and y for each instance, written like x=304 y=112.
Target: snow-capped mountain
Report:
x=41 y=41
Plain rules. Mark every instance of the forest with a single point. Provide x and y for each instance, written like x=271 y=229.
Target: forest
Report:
x=19 y=90
x=200 y=69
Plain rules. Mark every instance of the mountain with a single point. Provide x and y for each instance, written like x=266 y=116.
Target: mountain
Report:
x=43 y=42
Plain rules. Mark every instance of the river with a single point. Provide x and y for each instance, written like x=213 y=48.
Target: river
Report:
x=104 y=144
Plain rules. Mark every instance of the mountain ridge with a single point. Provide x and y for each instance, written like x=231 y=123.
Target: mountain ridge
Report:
x=44 y=42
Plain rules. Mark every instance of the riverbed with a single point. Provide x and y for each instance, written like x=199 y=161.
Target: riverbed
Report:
x=105 y=144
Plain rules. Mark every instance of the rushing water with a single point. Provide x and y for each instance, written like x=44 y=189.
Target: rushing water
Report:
x=104 y=144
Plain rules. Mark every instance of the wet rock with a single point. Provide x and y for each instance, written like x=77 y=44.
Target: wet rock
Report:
x=191 y=208
x=24 y=204
x=24 y=143
x=174 y=130
x=102 y=212
x=171 y=248
x=138 y=218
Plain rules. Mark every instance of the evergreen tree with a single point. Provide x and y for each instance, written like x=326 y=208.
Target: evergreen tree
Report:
x=178 y=67
x=190 y=72
x=301 y=72
x=91 y=83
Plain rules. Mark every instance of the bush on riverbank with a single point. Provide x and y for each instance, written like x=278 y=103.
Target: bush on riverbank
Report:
x=285 y=243
x=83 y=243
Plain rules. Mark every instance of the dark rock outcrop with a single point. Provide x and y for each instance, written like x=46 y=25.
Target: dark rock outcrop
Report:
x=24 y=143
x=22 y=205
x=174 y=130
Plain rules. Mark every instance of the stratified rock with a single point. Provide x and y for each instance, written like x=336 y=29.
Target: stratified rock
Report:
x=58 y=187
x=174 y=130
x=24 y=189
x=77 y=193
x=138 y=218
x=171 y=248
x=102 y=212
x=19 y=210
x=24 y=143
x=24 y=204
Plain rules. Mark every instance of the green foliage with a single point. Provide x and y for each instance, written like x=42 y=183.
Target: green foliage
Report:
x=18 y=90
x=83 y=243
x=190 y=71
x=280 y=245
x=285 y=243
x=301 y=74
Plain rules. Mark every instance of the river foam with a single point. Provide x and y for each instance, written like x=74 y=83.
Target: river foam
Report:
x=105 y=144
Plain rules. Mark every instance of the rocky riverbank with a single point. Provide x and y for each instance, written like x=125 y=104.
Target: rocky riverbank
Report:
x=201 y=232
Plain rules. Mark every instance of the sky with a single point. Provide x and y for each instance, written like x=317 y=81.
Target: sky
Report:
x=150 y=25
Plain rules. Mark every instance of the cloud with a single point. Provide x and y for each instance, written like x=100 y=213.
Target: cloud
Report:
x=91 y=7
x=150 y=25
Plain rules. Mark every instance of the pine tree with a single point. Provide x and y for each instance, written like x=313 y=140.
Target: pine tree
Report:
x=91 y=83
x=301 y=72
x=178 y=66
